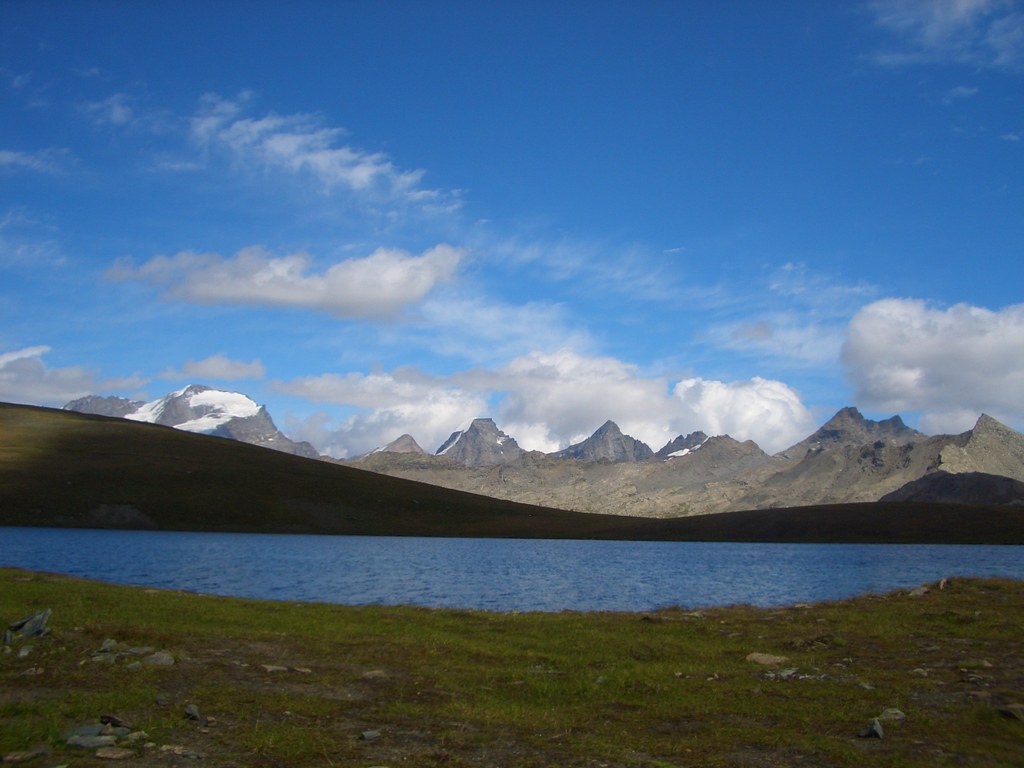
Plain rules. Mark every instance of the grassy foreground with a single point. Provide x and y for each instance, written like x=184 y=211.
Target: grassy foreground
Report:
x=378 y=686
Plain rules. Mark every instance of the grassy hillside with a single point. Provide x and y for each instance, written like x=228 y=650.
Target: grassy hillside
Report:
x=290 y=684
x=59 y=468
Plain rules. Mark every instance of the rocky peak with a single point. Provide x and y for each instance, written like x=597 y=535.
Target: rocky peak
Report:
x=118 y=407
x=607 y=443
x=481 y=445
x=404 y=444
x=682 y=446
x=849 y=427
x=991 y=448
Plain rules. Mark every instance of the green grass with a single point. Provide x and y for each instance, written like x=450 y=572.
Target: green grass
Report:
x=471 y=688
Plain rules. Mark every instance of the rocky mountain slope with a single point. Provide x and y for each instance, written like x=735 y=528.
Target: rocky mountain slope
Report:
x=202 y=410
x=849 y=459
x=482 y=444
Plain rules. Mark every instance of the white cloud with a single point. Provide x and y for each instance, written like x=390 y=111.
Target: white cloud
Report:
x=404 y=401
x=376 y=286
x=24 y=378
x=301 y=143
x=114 y=110
x=960 y=92
x=951 y=365
x=988 y=33
x=768 y=412
x=547 y=401
x=217 y=368
x=42 y=161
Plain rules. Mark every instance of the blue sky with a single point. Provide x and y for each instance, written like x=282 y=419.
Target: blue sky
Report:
x=393 y=217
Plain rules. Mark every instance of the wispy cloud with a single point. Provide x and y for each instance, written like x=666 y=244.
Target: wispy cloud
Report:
x=377 y=286
x=43 y=160
x=301 y=143
x=985 y=33
x=217 y=368
x=114 y=110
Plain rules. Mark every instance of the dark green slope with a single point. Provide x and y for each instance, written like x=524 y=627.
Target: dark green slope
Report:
x=59 y=468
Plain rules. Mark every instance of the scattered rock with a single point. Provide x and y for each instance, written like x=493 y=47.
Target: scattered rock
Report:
x=31 y=671
x=303 y=670
x=919 y=672
x=919 y=592
x=115 y=721
x=134 y=736
x=192 y=712
x=159 y=659
x=24 y=651
x=802 y=605
x=979 y=695
x=161 y=700
x=943 y=582
x=764 y=659
x=91 y=742
x=176 y=749
x=873 y=731
x=29 y=754
x=369 y=735
x=108 y=645
x=865 y=686
x=140 y=650
x=134 y=665
x=30 y=626
x=1012 y=710
x=374 y=674
x=274 y=668
x=892 y=714
x=114 y=753
x=211 y=721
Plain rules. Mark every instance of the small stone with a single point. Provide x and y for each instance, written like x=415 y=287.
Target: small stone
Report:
x=374 y=674
x=866 y=686
x=31 y=672
x=919 y=592
x=108 y=645
x=107 y=729
x=303 y=670
x=159 y=659
x=91 y=742
x=943 y=582
x=767 y=659
x=1012 y=710
x=30 y=626
x=979 y=695
x=785 y=674
x=24 y=651
x=274 y=668
x=211 y=721
x=369 y=735
x=27 y=755
x=873 y=731
x=140 y=650
x=161 y=700
x=114 y=753
x=192 y=712
x=84 y=730
x=134 y=736
x=919 y=672
x=892 y=714
x=134 y=665
x=805 y=606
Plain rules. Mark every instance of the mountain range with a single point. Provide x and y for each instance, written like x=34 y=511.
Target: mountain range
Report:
x=202 y=410
x=850 y=459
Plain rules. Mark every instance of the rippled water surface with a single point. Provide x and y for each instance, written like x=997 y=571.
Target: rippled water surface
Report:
x=496 y=574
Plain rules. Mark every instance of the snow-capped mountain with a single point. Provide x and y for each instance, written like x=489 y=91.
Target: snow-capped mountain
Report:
x=203 y=410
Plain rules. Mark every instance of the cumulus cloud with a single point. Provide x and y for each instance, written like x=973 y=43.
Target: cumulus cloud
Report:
x=25 y=378
x=768 y=412
x=301 y=143
x=547 y=401
x=376 y=286
x=987 y=33
x=951 y=365
x=218 y=368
